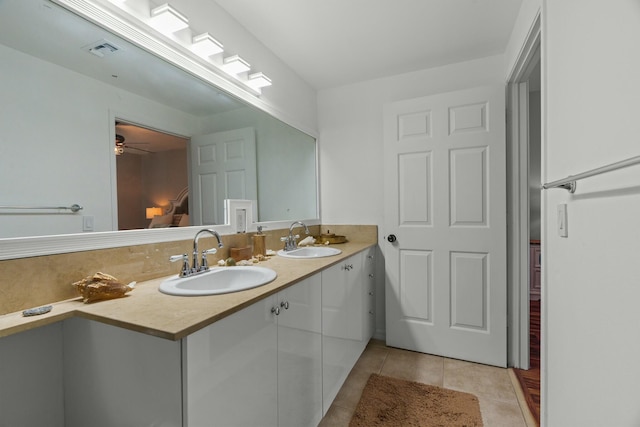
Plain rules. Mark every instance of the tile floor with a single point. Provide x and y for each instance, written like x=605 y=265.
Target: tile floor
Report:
x=498 y=403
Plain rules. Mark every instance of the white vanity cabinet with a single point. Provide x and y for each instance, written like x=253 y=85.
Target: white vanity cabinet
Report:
x=260 y=366
x=117 y=377
x=345 y=325
x=230 y=370
x=300 y=354
x=278 y=362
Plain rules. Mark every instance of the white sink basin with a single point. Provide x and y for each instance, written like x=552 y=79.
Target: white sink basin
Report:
x=310 y=252
x=218 y=280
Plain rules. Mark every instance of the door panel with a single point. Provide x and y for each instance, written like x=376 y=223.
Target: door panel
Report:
x=469 y=290
x=417 y=295
x=445 y=200
x=415 y=188
x=223 y=166
x=468 y=187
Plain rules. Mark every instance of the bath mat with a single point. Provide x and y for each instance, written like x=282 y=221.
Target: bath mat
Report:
x=389 y=402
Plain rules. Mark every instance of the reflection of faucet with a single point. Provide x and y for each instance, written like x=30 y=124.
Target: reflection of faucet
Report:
x=290 y=241
x=195 y=268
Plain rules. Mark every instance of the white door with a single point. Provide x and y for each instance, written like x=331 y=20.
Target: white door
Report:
x=223 y=166
x=445 y=203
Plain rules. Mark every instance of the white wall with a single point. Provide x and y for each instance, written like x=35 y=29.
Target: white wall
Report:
x=529 y=9
x=31 y=380
x=351 y=145
x=591 y=283
x=55 y=144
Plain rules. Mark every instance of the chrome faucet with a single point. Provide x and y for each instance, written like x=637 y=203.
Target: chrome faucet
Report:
x=195 y=267
x=290 y=240
x=194 y=263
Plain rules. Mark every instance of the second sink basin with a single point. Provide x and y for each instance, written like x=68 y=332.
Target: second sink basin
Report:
x=310 y=252
x=218 y=280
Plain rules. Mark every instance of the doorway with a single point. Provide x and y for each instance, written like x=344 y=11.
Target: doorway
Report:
x=529 y=377
x=151 y=170
x=524 y=146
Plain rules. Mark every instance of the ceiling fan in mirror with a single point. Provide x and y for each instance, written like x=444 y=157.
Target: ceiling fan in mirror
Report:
x=120 y=146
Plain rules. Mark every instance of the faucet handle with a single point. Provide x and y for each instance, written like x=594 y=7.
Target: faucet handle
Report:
x=205 y=265
x=183 y=257
x=184 y=271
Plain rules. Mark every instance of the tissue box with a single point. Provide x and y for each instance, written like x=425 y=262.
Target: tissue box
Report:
x=240 y=254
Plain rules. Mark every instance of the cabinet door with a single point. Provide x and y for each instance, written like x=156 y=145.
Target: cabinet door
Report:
x=230 y=370
x=300 y=354
x=335 y=316
x=342 y=305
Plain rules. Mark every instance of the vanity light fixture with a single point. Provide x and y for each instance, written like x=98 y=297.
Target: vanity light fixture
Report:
x=205 y=45
x=151 y=212
x=258 y=80
x=167 y=19
x=235 y=65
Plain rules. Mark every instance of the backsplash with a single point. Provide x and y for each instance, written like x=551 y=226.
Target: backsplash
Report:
x=36 y=281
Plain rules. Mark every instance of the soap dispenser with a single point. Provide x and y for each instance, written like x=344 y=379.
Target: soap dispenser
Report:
x=259 y=246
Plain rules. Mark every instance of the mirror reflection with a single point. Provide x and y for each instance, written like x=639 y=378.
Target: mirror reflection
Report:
x=68 y=100
x=152 y=177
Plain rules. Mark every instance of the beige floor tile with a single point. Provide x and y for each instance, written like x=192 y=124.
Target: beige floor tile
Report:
x=493 y=386
x=351 y=390
x=496 y=413
x=484 y=381
x=370 y=362
x=372 y=359
x=412 y=366
x=337 y=417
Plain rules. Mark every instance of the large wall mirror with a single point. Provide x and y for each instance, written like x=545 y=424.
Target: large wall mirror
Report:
x=68 y=111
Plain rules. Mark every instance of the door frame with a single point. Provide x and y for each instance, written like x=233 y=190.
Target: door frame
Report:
x=518 y=200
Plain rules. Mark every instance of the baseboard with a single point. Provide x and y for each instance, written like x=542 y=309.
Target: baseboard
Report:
x=380 y=334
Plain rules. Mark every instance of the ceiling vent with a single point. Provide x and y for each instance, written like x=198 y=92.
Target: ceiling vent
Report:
x=101 y=48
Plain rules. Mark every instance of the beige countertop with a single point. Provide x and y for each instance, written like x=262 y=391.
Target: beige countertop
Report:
x=147 y=310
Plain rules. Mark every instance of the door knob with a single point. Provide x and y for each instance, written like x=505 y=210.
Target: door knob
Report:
x=391 y=238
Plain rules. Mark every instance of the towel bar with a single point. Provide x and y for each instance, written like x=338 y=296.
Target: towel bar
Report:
x=73 y=208
x=569 y=183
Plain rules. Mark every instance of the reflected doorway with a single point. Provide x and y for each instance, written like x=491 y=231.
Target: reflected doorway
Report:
x=151 y=169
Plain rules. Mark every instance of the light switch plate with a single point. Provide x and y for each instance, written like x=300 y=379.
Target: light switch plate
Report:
x=241 y=220
x=238 y=214
x=87 y=223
